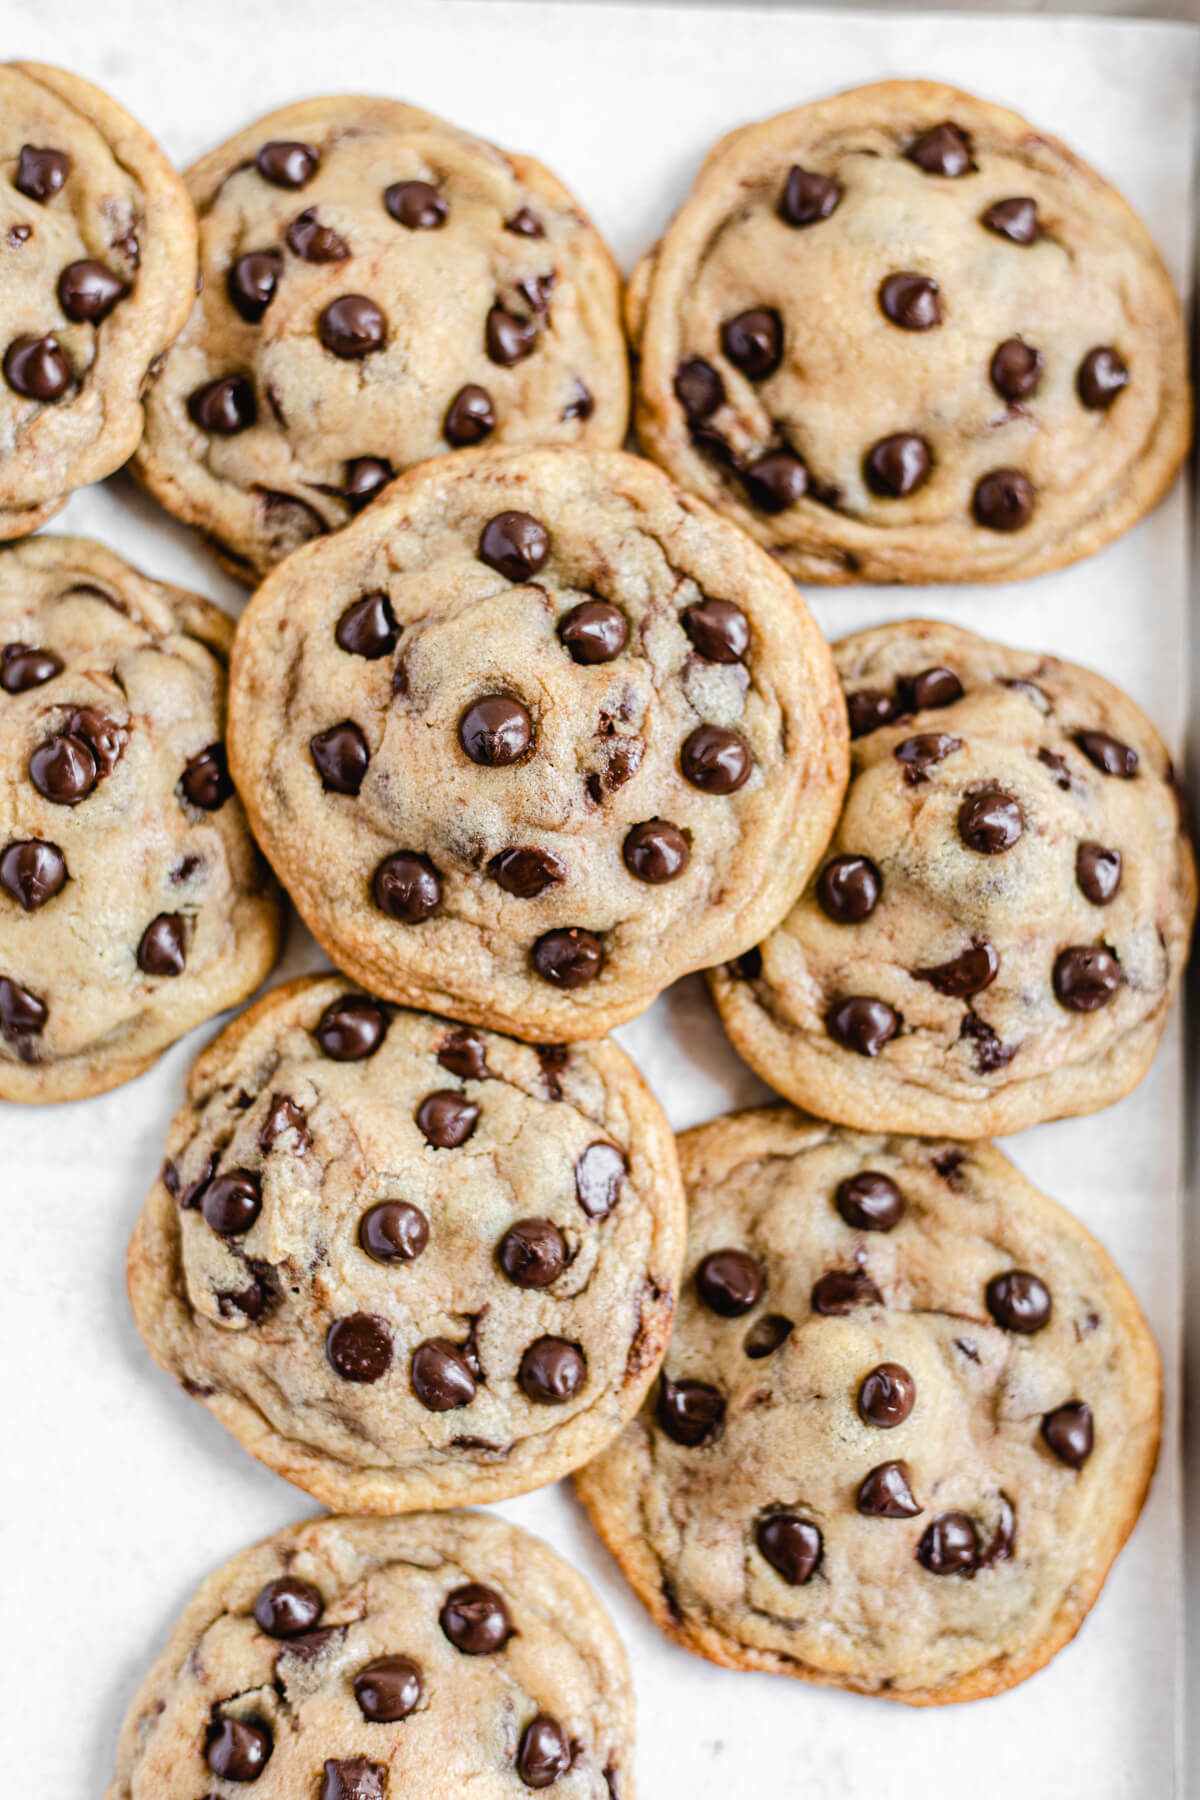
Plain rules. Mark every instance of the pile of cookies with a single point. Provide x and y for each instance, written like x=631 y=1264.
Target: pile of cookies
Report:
x=527 y=727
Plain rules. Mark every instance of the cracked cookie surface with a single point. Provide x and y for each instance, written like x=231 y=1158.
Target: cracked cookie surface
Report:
x=999 y=925
x=378 y=288
x=133 y=901
x=899 y=335
x=362 y=1659
x=406 y=1263
x=907 y=1418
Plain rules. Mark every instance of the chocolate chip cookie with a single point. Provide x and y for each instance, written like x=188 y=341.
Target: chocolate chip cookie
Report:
x=534 y=737
x=999 y=925
x=907 y=1419
x=378 y=287
x=133 y=902
x=366 y=1659
x=97 y=273
x=901 y=336
x=406 y=1263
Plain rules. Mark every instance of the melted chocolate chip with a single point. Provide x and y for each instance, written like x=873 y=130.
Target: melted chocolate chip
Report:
x=352 y=1028
x=340 y=757
x=942 y=150
x=990 y=821
x=570 y=958
x=393 y=1231
x=656 y=851
x=807 y=197
x=366 y=476
x=507 y=339
x=286 y=164
x=368 y=628
x=205 y=780
x=917 y=755
x=932 y=688
x=1069 y=1431
x=232 y=1202
x=886 y=1493
x=1016 y=369
x=88 y=291
x=730 y=1282
x=495 y=731
x=914 y=302
x=717 y=630
x=753 y=342
x=766 y=1335
x=869 y=1201
x=32 y=872
x=1019 y=1301
x=40 y=173
x=552 y=1371
x=313 y=242
x=442 y=1376
x=699 y=389
x=252 y=282
x=1102 y=375
x=776 y=481
x=964 y=975
x=862 y=1024
x=285 y=1115
x=1086 y=977
x=690 y=1412
x=237 y=1749
x=63 y=770
x=839 y=1291
x=37 y=367
x=898 y=465
x=594 y=632
x=848 y=889
x=359 y=1347
x=868 y=710
x=470 y=417
x=352 y=326
x=353 y=1778
x=599 y=1174
x=1015 y=219
x=416 y=205
x=388 y=1689
x=515 y=544
x=22 y=1016
x=24 y=666
x=1108 y=754
x=949 y=1546
x=526 y=871
x=287 y=1607
x=1097 y=873
x=224 y=406
x=525 y=224
x=447 y=1118
x=163 y=946
x=1003 y=500
x=476 y=1620
x=543 y=1753
x=407 y=887
x=886 y=1396
x=716 y=760
x=990 y=1053
x=463 y=1054
x=532 y=1253
x=791 y=1545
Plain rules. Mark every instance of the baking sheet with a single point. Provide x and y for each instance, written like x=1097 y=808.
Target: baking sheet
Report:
x=119 y=1492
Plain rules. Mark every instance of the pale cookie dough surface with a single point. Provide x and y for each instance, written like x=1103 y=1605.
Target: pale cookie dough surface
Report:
x=471 y=299
x=341 y=1660
x=97 y=273
x=999 y=925
x=440 y=1271
x=764 y=1507
x=471 y=818
x=902 y=446
x=133 y=901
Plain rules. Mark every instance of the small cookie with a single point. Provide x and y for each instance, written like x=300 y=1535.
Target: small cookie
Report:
x=1000 y=922
x=366 y=1659
x=901 y=336
x=133 y=901
x=908 y=1416
x=405 y=1263
x=97 y=275
x=534 y=738
x=378 y=287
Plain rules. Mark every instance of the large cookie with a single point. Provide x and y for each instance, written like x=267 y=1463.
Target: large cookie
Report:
x=97 y=275
x=907 y=1418
x=368 y=1659
x=133 y=902
x=378 y=287
x=533 y=738
x=901 y=336
x=404 y=1263
x=1002 y=918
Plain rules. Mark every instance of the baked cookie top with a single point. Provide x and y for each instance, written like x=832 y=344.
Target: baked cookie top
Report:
x=900 y=335
x=907 y=1418
x=133 y=902
x=1000 y=922
x=404 y=1262
x=378 y=287
x=364 y=1659
x=97 y=274
x=534 y=737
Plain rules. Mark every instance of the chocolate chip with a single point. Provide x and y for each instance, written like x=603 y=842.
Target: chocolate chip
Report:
x=886 y=1397
x=862 y=1024
x=232 y=1202
x=791 y=1545
x=162 y=950
x=599 y=1174
x=1097 y=873
x=37 y=367
x=359 y=1347
x=352 y=326
x=753 y=342
x=699 y=389
x=284 y=1115
x=442 y=1376
x=353 y=1778
x=869 y=710
x=594 y=632
x=718 y=630
x=351 y=1029
x=1058 y=768
x=990 y=1053
x=470 y=417
x=22 y=666
x=32 y=872
x=807 y=197
x=416 y=205
x=1003 y=500
x=570 y=958
x=931 y=688
x=388 y=1689
x=990 y=821
x=898 y=465
x=368 y=628
x=224 y=406
x=447 y=1118
x=508 y=339
x=88 y=292
x=848 y=889
x=914 y=302
x=495 y=731
x=393 y=1231
x=237 y=1749
x=1015 y=219
x=532 y=1253
x=552 y=1371
x=40 y=173
x=1086 y=977
x=656 y=851
x=287 y=1607
x=1016 y=369
x=286 y=164
x=526 y=871
x=366 y=476
x=1109 y=754
x=766 y=1335
x=943 y=150
x=515 y=544
x=22 y=1014
x=104 y=737
x=407 y=887
x=340 y=757
x=949 y=1546
x=620 y=760
x=690 y=1412
x=1019 y=1301
x=525 y=224
x=475 y=1619
x=63 y=770
x=886 y=1493
x=1070 y=1433
x=730 y=1282
x=839 y=1291
x=964 y=975
x=919 y=754
x=205 y=779
x=776 y=481
x=252 y=282
x=543 y=1753
x=869 y=1202
x=715 y=760
x=1102 y=375
x=463 y=1054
